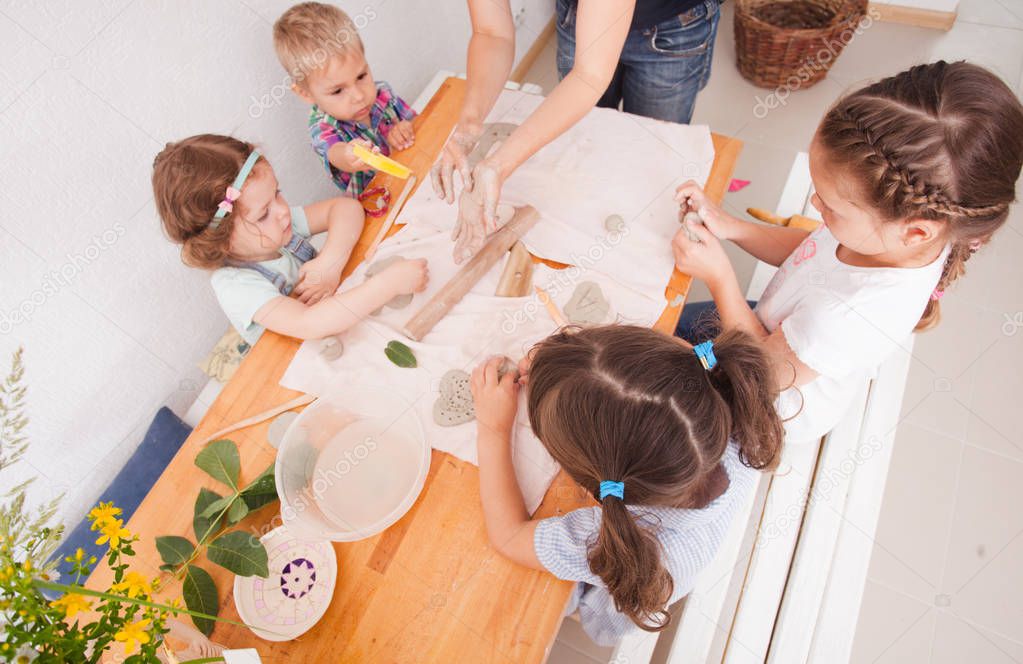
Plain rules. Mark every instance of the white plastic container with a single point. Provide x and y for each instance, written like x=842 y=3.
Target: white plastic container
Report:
x=351 y=465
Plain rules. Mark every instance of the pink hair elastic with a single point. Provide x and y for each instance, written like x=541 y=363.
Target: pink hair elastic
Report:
x=936 y=294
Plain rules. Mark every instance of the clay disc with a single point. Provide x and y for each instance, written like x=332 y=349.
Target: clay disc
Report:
x=331 y=348
x=278 y=426
x=614 y=224
x=454 y=402
x=587 y=306
x=398 y=301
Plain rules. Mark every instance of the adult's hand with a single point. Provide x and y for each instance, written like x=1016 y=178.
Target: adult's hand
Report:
x=477 y=211
x=455 y=157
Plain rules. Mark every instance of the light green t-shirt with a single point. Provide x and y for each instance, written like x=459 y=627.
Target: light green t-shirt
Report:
x=241 y=292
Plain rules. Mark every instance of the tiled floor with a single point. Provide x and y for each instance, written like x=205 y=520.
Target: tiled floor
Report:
x=946 y=578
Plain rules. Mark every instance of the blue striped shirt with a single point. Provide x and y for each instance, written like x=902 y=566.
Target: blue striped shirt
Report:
x=690 y=538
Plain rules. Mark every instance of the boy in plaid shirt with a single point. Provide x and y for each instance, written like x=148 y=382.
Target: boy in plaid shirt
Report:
x=320 y=48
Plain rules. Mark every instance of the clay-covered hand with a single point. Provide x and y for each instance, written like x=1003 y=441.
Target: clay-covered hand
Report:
x=703 y=258
x=477 y=212
x=692 y=198
x=401 y=136
x=317 y=278
x=494 y=399
x=407 y=276
x=455 y=157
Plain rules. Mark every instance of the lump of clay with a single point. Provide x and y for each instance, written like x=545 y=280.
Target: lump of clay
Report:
x=398 y=301
x=615 y=224
x=587 y=306
x=454 y=403
x=331 y=348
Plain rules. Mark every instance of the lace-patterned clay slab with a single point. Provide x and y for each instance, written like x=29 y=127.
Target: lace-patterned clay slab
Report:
x=293 y=598
x=454 y=403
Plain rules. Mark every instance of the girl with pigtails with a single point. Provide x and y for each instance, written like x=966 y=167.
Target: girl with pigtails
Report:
x=667 y=437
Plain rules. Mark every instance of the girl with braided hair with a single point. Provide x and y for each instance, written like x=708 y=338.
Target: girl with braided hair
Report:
x=666 y=436
x=912 y=175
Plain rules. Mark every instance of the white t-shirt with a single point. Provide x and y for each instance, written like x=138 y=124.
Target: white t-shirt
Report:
x=841 y=321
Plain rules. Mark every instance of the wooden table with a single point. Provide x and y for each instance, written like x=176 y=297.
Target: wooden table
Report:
x=429 y=588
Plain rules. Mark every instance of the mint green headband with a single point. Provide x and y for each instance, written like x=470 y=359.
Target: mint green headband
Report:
x=234 y=190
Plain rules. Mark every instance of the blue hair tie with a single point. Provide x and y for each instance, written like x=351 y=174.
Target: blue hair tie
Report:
x=612 y=488
x=705 y=353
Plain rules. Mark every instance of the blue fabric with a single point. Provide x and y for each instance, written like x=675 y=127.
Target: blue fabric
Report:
x=699 y=321
x=661 y=68
x=162 y=441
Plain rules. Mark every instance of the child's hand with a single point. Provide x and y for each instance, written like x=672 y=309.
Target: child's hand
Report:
x=408 y=276
x=401 y=136
x=496 y=401
x=704 y=259
x=691 y=198
x=358 y=164
x=317 y=278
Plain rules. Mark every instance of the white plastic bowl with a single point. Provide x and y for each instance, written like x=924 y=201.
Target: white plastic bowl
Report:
x=351 y=465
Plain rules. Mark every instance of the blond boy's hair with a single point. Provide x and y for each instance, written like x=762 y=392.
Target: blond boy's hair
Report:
x=309 y=34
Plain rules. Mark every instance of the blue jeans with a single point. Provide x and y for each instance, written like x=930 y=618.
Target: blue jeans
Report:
x=661 y=68
x=699 y=321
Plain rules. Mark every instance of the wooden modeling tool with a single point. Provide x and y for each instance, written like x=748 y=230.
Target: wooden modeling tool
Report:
x=265 y=415
x=518 y=273
x=379 y=162
x=552 y=308
x=795 y=221
x=452 y=292
x=392 y=216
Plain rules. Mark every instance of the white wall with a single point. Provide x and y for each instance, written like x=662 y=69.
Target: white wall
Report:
x=112 y=323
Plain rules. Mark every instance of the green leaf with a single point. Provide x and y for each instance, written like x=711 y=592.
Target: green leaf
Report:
x=239 y=552
x=400 y=354
x=166 y=567
x=220 y=460
x=200 y=595
x=262 y=484
x=237 y=511
x=202 y=525
x=217 y=506
x=257 y=500
x=174 y=550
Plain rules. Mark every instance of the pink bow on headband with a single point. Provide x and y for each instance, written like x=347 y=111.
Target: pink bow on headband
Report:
x=232 y=194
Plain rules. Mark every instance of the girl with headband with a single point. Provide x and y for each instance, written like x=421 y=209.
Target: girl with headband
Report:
x=219 y=199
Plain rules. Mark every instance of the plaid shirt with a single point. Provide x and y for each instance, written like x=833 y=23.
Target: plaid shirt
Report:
x=326 y=130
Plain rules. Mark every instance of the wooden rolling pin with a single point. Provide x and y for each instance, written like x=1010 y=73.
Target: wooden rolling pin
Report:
x=795 y=221
x=518 y=273
x=452 y=292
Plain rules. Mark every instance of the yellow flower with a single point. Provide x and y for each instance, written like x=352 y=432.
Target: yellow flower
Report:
x=133 y=635
x=104 y=512
x=113 y=532
x=27 y=565
x=77 y=558
x=135 y=584
x=72 y=603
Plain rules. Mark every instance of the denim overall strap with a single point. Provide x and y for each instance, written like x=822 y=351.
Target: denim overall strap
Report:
x=299 y=247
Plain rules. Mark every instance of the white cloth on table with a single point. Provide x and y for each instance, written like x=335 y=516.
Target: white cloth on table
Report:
x=479 y=326
x=608 y=163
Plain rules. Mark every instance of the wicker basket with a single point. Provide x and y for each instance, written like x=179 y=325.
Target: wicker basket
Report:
x=800 y=53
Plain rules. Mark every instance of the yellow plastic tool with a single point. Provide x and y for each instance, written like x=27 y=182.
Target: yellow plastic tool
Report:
x=381 y=163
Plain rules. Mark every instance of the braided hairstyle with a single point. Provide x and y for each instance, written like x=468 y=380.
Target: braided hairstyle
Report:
x=939 y=141
x=189 y=181
x=632 y=405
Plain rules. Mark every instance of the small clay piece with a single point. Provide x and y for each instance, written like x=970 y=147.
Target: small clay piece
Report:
x=398 y=301
x=690 y=217
x=278 y=427
x=677 y=301
x=615 y=224
x=331 y=348
x=454 y=403
x=587 y=306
